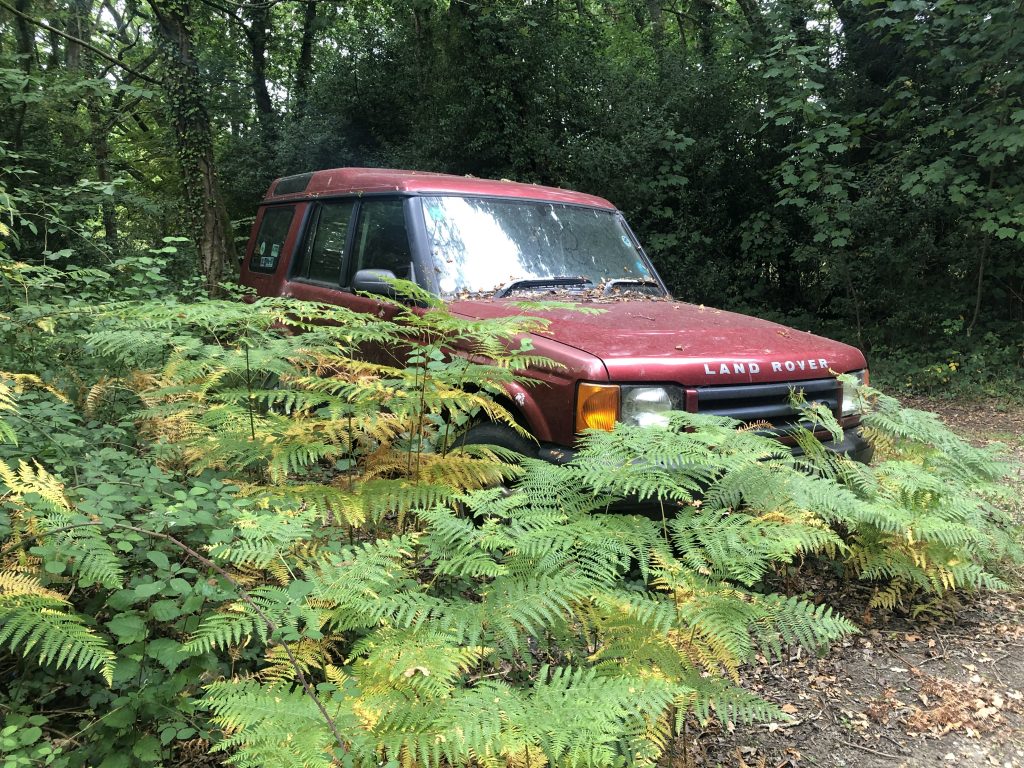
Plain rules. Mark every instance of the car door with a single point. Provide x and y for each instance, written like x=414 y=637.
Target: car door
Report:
x=342 y=237
x=380 y=241
x=320 y=259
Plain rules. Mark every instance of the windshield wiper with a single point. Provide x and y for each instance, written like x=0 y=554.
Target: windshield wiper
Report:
x=539 y=282
x=611 y=285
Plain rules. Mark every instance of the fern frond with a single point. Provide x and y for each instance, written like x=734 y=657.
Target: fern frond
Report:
x=310 y=655
x=33 y=479
x=30 y=621
x=273 y=724
x=14 y=583
x=222 y=630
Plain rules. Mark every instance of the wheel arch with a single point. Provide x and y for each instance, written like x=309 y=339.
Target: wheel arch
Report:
x=525 y=409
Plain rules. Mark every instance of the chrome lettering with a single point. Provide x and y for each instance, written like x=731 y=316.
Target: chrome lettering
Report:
x=752 y=368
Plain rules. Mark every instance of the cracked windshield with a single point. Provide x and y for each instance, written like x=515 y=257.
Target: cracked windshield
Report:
x=484 y=245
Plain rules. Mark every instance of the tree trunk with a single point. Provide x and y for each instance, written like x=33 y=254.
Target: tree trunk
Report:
x=206 y=215
x=680 y=17
x=304 y=66
x=26 y=41
x=657 y=18
x=705 y=13
x=878 y=55
x=101 y=150
x=54 y=58
x=256 y=33
x=80 y=25
x=26 y=48
x=755 y=21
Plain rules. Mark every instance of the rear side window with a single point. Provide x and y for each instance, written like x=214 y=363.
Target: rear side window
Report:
x=270 y=240
x=323 y=253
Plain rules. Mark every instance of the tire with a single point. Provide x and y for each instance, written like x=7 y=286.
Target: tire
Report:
x=489 y=433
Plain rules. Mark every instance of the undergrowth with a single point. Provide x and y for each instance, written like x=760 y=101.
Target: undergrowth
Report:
x=247 y=528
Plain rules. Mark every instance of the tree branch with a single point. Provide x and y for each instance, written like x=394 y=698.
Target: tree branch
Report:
x=72 y=38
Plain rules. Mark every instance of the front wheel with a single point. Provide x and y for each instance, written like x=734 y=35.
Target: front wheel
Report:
x=499 y=435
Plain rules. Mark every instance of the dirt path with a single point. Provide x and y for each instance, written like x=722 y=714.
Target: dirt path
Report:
x=946 y=689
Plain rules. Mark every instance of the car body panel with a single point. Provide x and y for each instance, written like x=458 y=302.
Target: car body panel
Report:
x=656 y=340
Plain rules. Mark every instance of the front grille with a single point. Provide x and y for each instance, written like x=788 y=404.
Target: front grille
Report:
x=767 y=402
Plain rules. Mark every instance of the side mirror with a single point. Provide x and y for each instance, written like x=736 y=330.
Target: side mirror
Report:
x=372 y=281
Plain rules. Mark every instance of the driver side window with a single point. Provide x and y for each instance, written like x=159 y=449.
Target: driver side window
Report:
x=382 y=241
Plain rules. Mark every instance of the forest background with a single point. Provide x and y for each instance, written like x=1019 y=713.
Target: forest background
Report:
x=850 y=167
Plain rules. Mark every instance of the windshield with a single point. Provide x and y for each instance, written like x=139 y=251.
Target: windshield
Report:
x=482 y=244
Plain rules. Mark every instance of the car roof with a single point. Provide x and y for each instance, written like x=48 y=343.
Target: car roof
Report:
x=349 y=181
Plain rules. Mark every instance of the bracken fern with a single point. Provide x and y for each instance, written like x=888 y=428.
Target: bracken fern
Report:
x=384 y=595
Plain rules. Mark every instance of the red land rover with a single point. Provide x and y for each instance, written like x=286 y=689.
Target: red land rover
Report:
x=330 y=235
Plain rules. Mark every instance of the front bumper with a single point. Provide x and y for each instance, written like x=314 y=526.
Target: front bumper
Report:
x=852 y=445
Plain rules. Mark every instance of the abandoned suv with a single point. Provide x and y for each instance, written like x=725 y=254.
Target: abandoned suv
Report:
x=332 y=236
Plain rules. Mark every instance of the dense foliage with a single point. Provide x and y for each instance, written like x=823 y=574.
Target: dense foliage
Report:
x=852 y=165
x=216 y=535
x=223 y=531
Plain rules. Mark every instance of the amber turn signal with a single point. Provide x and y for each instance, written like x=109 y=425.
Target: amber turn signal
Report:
x=597 y=406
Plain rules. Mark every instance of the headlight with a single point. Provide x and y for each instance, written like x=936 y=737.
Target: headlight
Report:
x=851 y=403
x=645 y=406
x=599 y=406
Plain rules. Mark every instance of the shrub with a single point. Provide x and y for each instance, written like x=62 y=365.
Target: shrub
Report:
x=281 y=553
